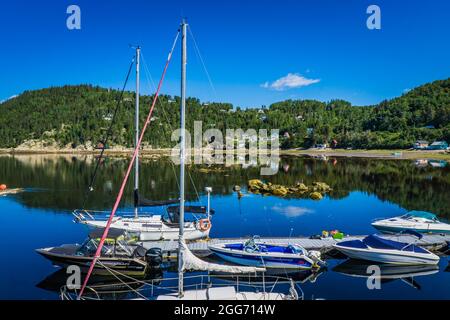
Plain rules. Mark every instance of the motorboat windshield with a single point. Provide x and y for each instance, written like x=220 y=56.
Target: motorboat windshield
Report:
x=89 y=247
x=420 y=214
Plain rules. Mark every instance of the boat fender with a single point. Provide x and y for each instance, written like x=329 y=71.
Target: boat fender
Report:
x=153 y=257
x=204 y=225
x=315 y=256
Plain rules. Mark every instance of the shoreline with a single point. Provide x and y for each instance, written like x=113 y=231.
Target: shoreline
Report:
x=361 y=153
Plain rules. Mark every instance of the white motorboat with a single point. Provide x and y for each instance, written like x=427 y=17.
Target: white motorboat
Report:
x=418 y=221
x=378 y=249
x=256 y=253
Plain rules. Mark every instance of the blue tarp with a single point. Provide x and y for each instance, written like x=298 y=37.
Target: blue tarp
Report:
x=377 y=242
x=380 y=243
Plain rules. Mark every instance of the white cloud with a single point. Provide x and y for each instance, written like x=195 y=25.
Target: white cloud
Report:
x=292 y=211
x=291 y=81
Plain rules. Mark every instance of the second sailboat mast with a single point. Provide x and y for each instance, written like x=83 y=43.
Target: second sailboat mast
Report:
x=136 y=127
x=182 y=158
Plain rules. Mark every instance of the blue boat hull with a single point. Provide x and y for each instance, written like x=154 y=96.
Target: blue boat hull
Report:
x=267 y=262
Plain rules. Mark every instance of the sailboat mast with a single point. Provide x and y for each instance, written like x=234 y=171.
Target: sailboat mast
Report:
x=182 y=159
x=136 y=127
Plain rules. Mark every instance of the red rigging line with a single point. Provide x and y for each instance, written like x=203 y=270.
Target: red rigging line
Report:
x=130 y=166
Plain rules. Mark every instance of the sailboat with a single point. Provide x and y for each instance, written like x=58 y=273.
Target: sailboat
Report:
x=187 y=261
x=152 y=227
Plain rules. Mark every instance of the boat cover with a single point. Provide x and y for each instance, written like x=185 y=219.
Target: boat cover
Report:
x=264 y=248
x=191 y=209
x=142 y=202
x=112 y=233
x=191 y=262
x=377 y=242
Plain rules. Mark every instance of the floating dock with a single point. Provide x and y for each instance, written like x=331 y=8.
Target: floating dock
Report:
x=432 y=242
x=8 y=192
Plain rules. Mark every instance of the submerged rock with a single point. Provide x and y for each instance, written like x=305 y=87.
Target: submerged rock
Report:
x=279 y=190
x=321 y=187
x=316 y=191
x=316 y=196
x=255 y=184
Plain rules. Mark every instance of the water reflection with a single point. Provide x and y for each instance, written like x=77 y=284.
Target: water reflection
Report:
x=388 y=273
x=66 y=179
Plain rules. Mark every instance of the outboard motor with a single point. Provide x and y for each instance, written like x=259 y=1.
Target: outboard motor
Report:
x=316 y=256
x=154 y=257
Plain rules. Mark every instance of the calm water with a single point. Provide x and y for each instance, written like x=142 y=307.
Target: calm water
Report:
x=364 y=189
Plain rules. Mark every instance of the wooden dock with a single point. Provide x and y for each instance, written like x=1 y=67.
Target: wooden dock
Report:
x=8 y=192
x=432 y=242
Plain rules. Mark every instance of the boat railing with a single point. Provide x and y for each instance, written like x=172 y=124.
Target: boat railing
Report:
x=150 y=289
x=80 y=215
x=83 y=214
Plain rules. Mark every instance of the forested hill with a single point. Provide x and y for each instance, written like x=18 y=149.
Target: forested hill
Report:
x=73 y=116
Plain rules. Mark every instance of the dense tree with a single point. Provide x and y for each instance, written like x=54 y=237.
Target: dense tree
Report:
x=75 y=115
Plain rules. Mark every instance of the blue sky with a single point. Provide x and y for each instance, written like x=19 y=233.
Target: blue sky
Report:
x=246 y=45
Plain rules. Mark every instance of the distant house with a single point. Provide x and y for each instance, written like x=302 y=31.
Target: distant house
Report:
x=438 y=145
x=101 y=146
x=421 y=144
x=334 y=143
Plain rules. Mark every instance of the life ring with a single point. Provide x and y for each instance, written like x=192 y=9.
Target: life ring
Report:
x=204 y=225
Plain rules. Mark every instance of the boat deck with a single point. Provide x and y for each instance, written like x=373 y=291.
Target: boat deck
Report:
x=432 y=242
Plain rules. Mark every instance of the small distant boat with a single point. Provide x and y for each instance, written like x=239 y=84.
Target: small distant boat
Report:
x=378 y=249
x=7 y=192
x=117 y=254
x=418 y=221
x=259 y=254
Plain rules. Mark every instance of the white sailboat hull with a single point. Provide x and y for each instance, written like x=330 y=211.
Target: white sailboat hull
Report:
x=225 y=293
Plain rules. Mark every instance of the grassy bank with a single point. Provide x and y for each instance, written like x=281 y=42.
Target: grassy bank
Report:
x=382 y=154
x=388 y=154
